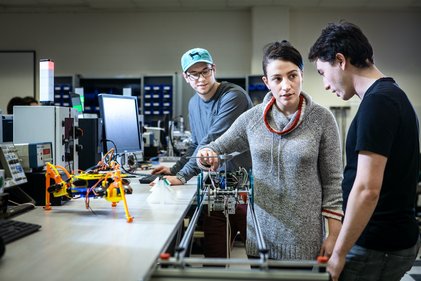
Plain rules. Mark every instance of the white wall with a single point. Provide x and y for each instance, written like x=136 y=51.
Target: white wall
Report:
x=127 y=44
x=131 y=44
x=17 y=71
x=394 y=36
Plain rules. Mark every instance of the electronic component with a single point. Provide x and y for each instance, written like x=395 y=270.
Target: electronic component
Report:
x=225 y=189
x=34 y=155
x=90 y=142
x=10 y=162
x=179 y=140
x=55 y=124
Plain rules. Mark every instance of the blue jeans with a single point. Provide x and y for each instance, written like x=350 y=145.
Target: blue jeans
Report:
x=363 y=264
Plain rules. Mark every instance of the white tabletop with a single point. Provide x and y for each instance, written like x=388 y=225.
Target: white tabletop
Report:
x=77 y=244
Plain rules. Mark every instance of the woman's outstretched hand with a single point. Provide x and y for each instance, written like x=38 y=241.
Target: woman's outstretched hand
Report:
x=207 y=159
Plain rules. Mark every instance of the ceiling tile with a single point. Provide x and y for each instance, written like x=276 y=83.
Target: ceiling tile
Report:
x=248 y=3
x=140 y=5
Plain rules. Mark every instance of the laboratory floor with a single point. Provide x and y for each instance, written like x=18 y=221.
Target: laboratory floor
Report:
x=415 y=273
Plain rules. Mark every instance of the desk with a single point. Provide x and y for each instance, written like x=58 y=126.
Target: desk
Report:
x=76 y=244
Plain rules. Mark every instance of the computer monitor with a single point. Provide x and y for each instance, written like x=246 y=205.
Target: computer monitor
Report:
x=120 y=120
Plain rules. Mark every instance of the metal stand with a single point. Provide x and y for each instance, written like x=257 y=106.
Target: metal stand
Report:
x=182 y=267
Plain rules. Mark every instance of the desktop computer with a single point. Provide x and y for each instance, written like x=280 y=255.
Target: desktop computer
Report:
x=6 y=128
x=55 y=124
x=90 y=142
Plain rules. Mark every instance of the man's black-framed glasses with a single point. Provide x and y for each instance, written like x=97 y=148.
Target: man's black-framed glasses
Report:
x=195 y=76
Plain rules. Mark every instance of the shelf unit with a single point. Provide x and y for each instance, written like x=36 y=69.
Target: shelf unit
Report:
x=63 y=86
x=158 y=99
x=92 y=87
x=256 y=88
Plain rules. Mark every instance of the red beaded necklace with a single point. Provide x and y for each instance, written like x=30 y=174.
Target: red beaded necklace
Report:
x=297 y=119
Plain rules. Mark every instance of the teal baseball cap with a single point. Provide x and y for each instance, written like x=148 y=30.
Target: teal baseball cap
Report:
x=194 y=56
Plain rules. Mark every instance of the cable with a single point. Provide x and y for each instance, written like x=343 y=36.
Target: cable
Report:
x=171 y=139
x=104 y=142
x=170 y=134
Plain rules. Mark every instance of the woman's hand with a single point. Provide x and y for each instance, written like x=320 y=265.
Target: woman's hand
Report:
x=327 y=246
x=208 y=158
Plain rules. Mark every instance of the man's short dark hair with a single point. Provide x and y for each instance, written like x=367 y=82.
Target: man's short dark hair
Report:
x=345 y=38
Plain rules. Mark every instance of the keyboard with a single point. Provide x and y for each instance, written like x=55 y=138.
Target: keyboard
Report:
x=11 y=230
x=169 y=158
x=148 y=178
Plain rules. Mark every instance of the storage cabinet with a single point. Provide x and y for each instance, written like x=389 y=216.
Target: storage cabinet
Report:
x=63 y=86
x=158 y=99
x=92 y=87
x=256 y=88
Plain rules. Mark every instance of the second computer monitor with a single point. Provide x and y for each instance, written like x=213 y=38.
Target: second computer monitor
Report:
x=76 y=102
x=120 y=117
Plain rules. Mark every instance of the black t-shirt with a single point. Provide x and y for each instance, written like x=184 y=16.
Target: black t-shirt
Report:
x=386 y=124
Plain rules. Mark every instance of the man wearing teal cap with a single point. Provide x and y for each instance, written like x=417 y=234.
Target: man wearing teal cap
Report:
x=194 y=56
x=212 y=110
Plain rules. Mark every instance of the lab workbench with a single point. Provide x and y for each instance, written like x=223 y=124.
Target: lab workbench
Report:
x=75 y=243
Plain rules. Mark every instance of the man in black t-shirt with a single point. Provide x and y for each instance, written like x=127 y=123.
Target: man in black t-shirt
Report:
x=379 y=239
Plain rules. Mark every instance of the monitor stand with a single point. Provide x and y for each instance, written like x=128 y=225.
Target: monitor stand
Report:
x=18 y=202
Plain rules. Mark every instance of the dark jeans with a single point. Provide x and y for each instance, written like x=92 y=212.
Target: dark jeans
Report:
x=214 y=227
x=365 y=265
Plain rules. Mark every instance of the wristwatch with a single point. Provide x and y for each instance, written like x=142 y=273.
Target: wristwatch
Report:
x=181 y=178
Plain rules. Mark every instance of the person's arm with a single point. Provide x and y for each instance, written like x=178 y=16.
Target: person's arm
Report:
x=234 y=139
x=164 y=170
x=361 y=204
x=171 y=172
x=161 y=170
x=232 y=105
x=183 y=160
x=330 y=170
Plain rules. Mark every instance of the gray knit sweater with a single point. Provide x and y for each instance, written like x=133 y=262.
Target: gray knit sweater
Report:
x=297 y=177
